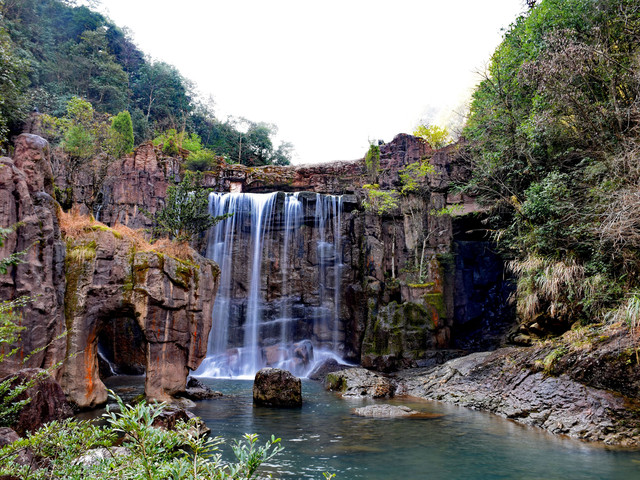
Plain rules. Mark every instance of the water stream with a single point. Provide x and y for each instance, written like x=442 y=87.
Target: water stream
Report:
x=265 y=251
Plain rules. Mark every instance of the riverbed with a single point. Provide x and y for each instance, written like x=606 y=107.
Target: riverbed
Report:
x=448 y=442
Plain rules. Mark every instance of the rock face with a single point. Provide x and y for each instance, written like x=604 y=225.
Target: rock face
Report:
x=156 y=304
x=47 y=401
x=144 y=311
x=273 y=387
x=360 y=382
x=26 y=190
x=567 y=398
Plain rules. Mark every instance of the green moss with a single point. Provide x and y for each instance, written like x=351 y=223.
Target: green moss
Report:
x=436 y=300
x=336 y=383
x=183 y=275
x=421 y=285
x=104 y=228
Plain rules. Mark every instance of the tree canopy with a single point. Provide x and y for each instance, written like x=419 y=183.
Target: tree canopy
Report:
x=553 y=141
x=52 y=50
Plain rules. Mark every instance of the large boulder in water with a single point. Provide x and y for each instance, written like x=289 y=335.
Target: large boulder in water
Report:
x=359 y=382
x=277 y=388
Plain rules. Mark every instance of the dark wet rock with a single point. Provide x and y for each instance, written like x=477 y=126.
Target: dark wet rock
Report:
x=360 y=382
x=328 y=366
x=47 y=400
x=196 y=390
x=387 y=363
x=273 y=387
x=385 y=411
x=171 y=415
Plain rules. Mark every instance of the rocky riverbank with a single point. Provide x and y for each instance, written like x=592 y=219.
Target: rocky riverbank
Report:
x=584 y=385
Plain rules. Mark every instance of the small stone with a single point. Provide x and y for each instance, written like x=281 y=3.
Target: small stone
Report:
x=273 y=387
x=97 y=455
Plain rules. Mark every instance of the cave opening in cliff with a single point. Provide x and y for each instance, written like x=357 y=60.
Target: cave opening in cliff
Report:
x=122 y=346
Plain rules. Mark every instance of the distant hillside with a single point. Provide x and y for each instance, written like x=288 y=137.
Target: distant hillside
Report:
x=52 y=50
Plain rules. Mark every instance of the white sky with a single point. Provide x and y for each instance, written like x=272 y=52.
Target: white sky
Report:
x=330 y=74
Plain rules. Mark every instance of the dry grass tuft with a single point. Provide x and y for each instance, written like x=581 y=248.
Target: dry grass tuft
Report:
x=77 y=226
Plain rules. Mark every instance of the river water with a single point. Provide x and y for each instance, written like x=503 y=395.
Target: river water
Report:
x=448 y=443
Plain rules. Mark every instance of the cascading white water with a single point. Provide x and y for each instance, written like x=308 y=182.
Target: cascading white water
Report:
x=250 y=332
x=328 y=216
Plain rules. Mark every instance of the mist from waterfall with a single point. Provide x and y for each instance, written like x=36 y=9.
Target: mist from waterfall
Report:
x=259 y=249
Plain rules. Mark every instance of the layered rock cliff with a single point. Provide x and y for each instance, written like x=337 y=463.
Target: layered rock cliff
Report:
x=411 y=280
x=92 y=288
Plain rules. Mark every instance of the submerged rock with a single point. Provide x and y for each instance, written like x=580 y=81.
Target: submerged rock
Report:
x=388 y=411
x=277 y=388
x=171 y=415
x=359 y=382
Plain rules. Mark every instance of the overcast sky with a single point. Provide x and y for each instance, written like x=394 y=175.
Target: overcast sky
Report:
x=332 y=75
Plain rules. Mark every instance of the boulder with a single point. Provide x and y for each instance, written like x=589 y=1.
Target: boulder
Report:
x=273 y=387
x=196 y=390
x=359 y=382
x=385 y=411
x=323 y=369
x=170 y=416
x=7 y=437
x=47 y=400
x=98 y=455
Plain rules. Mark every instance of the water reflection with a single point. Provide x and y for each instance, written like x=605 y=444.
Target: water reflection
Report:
x=458 y=443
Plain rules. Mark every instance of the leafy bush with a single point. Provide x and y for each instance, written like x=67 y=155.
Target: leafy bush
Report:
x=186 y=211
x=201 y=161
x=434 y=135
x=63 y=450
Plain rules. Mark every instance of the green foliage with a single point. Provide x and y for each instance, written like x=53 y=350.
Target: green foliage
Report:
x=13 y=83
x=380 y=201
x=186 y=212
x=121 y=134
x=372 y=161
x=553 y=141
x=414 y=175
x=149 y=452
x=434 y=135
x=63 y=50
x=201 y=161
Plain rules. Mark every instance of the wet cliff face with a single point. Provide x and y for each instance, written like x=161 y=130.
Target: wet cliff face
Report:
x=407 y=282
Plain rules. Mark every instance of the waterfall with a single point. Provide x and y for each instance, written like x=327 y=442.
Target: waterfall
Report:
x=278 y=300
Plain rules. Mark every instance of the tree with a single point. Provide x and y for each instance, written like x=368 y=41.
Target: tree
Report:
x=434 y=135
x=186 y=211
x=13 y=82
x=121 y=134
